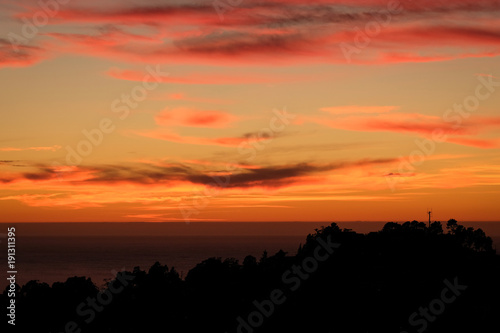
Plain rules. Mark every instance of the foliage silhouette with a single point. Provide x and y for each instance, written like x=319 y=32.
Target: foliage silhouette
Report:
x=371 y=283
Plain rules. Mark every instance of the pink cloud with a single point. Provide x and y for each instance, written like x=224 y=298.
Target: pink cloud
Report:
x=358 y=109
x=380 y=119
x=415 y=56
x=190 y=117
x=184 y=97
x=220 y=141
x=477 y=143
x=486 y=75
x=52 y=148
x=392 y=122
x=211 y=163
x=276 y=32
x=17 y=54
x=369 y=119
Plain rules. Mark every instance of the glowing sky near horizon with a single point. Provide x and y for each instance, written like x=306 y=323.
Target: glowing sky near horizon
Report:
x=271 y=110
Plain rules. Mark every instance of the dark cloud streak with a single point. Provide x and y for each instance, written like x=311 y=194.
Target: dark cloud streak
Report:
x=145 y=174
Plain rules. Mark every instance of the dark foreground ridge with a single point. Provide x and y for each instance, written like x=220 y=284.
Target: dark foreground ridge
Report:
x=405 y=278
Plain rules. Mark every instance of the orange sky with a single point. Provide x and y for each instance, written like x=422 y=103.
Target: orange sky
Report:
x=277 y=111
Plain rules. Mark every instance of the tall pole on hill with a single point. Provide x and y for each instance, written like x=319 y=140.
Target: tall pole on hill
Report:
x=429 y=212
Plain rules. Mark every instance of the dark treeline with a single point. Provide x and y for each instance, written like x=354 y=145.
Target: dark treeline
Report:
x=406 y=277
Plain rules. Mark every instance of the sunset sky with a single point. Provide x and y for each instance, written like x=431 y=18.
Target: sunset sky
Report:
x=276 y=110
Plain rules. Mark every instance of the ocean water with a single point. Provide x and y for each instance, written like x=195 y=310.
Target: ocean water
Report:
x=53 y=252
x=51 y=259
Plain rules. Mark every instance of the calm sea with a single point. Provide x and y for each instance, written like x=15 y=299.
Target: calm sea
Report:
x=51 y=252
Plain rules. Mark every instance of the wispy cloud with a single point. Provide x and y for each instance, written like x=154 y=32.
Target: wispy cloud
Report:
x=384 y=119
x=255 y=32
x=191 y=117
x=172 y=136
x=358 y=109
x=51 y=148
x=25 y=55
x=184 y=97
x=477 y=143
x=164 y=174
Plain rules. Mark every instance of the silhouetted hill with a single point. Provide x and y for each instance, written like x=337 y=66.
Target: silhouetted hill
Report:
x=405 y=278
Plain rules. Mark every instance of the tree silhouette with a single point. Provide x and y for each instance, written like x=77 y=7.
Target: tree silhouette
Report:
x=371 y=283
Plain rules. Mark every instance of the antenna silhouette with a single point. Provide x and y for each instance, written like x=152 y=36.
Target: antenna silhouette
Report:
x=429 y=212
